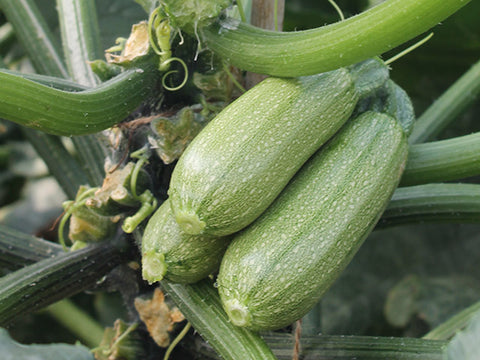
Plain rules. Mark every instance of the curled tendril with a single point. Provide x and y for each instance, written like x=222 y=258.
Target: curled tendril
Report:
x=146 y=199
x=72 y=206
x=159 y=35
x=152 y=22
x=165 y=64
x=142 y=156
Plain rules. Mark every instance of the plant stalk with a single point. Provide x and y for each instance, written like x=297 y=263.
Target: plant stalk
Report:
x=443 y=160
x=77 y=321
x=200 y=304
x=81 y=44
x=373 y=32
x=74 y=113
x=454 y=203
x=33 y=32
x=18 y=249
x=448 y=106
x=43 y=283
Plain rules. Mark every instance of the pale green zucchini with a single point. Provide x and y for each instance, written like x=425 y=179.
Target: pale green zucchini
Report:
x=241 y=161
x=168 y=252
x=277 y=269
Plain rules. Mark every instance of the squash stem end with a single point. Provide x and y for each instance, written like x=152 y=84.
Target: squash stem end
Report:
x=238 y=313
x=154 y=267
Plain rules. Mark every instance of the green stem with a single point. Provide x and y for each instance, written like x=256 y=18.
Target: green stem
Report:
x=358 y=347
x=434 y=202
x=449 y=328
x=80 y=38
x=443 y=160
x=81 y=44
x=18 y=249
x=33 y=32
x=331 y=347
x=366 y=35
x=74 y=113
x=447 y=107
x=201 y=305
x=50 y=81
x=79 y=34
x=36 y=286
x=77 y=321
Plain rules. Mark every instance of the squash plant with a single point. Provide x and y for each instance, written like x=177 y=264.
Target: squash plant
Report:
x=110 y=125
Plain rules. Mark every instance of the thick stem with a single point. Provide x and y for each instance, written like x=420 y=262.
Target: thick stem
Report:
x=80 y=38
x=448 y=106
x=201 y=305
x=74 y=113
x=457 y=203
x=81 y=44
x=444 y=160
x=32 y=31
x=47 y=281
x=368 y=34
x=18 y=249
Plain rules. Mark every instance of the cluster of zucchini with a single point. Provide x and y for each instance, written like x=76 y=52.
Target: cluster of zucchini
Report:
x=279 y=191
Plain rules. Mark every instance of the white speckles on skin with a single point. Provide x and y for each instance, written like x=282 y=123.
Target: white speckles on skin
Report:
x=288 y=99
x=317 y=245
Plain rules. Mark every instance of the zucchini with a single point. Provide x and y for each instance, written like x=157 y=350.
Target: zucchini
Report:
x=275 y=270
x=168 y=252
x=271 y=130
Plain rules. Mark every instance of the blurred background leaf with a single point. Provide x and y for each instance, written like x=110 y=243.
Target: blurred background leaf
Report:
x=12 y=350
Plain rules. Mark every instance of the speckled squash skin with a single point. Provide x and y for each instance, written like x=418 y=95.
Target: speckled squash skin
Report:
x=278 y=268
x=170 y=253
x=244 y=157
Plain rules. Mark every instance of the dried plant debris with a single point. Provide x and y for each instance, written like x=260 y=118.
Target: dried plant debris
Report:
x=134 y=48
x=158 y=316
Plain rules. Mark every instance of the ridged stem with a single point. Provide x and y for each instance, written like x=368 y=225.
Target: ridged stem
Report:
x=31 y=28
x=74 y=113
x=363 y=36
x=201 y=305
x=81 y=44
x=330 y=347
x=80 y=38
x=443 y=160
x=45 y=282
x=457 y=203
x=32 y=31
x=448 y=106
x=18 y=249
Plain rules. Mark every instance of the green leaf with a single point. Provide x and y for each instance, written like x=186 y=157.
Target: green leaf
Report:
x=11 y=350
